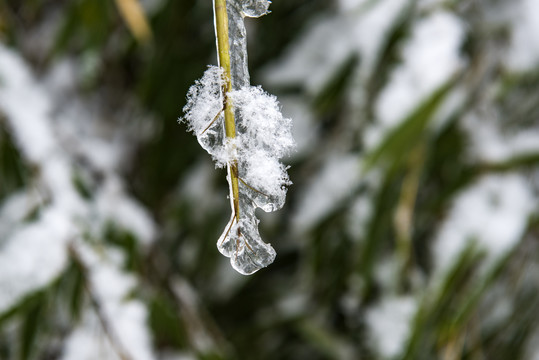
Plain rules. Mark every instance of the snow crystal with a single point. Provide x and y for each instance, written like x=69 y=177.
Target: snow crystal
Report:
x=389 y=324
x=492 y=212
x=261 y=123
x=263 y=180
x=204 y=113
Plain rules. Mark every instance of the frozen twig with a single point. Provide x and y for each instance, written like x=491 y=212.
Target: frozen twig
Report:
x=223 y=50
x=251 y=140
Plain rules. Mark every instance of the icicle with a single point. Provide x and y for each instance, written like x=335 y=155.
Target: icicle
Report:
x=262 y=137
x=237 y=11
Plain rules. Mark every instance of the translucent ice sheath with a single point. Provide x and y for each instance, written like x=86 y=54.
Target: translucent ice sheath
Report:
x=240 y=240
x=223 y=50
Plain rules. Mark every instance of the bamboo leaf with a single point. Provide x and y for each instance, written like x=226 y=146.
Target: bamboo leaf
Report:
x=31 y=325
x=331 y=94
x=404 y=137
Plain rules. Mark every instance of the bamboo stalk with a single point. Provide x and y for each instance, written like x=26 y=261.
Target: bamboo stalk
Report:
x=223 y=51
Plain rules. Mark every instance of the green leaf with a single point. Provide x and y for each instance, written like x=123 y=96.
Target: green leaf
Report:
x=165 y=324
x=76 y=296
x=398 y=143
x=434 y=323
x=31 y=323
x=125 y=240
x=332 y=93
x=13 y=170
x=389 y=55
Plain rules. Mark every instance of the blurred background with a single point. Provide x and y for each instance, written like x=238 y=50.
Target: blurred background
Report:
x=410 y=231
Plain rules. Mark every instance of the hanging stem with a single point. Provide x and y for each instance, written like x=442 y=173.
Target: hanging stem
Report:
x=223 y=50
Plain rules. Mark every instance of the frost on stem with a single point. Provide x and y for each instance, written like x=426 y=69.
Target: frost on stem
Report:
x=237 y=10
x=252 y=154
x=204 y=114
x=263 y=138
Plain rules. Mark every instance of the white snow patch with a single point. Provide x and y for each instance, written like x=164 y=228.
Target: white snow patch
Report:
x=23 y=99
x=13 y=211
x=489 y=144
x=359 y=215
x=389 y=324
x=332 y=185
x=430 y=58
x=126 y=317
x=370 y=28
x=113 y=204
x=33 y=257
x=523 y=54
x=348 y=5
x=493 y=212
x=314 y=59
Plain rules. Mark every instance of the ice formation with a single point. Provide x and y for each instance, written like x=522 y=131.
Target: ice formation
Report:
x=263 y=137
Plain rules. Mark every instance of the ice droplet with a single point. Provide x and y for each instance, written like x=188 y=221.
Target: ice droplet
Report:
x=241 y=241
x=255 y=8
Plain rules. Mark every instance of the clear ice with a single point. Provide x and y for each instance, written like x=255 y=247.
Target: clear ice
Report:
x=263 y=137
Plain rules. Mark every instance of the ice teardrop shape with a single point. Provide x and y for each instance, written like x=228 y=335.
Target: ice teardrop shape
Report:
x=241 y=241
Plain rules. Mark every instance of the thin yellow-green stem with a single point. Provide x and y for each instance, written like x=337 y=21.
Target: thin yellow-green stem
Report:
x=223 y=50
x=404 y=215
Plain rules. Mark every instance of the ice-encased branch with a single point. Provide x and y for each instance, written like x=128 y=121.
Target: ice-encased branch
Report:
x=252 y=152
x=223 y=57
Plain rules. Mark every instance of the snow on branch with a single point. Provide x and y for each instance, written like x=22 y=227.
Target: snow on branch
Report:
x=241 y=126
